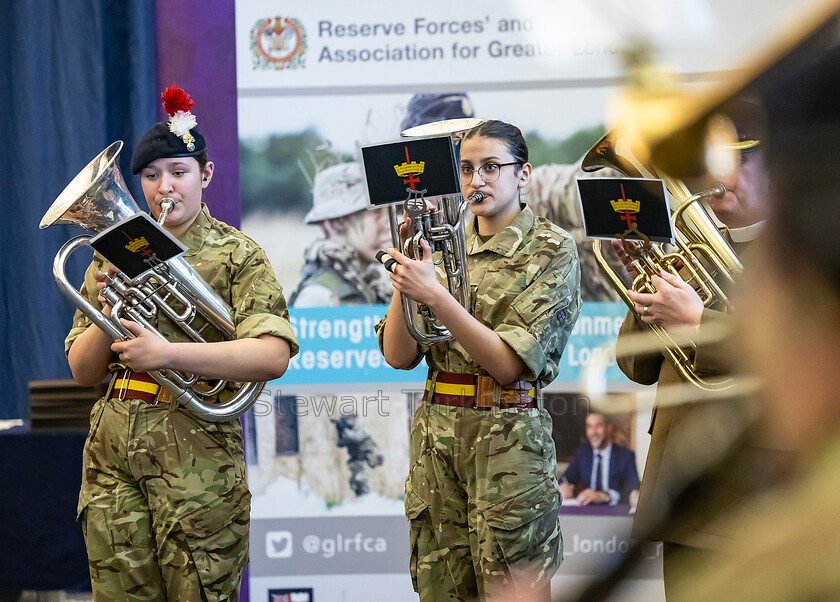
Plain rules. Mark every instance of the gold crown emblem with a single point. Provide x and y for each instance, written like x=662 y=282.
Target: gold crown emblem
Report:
x=626 y=205
x=407 y=168
x=137 y=244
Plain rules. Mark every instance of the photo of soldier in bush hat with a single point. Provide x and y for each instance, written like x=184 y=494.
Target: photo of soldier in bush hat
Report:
x=340 y=268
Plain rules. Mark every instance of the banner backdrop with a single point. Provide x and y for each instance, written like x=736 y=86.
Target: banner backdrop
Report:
x=327 y=443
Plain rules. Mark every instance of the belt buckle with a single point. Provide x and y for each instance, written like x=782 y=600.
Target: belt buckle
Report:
x=517 y=395
x=163 y=396
x=484 y=388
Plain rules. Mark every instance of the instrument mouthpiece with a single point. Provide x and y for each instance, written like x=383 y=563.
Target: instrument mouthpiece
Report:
x=166 y=205
x=476 y=197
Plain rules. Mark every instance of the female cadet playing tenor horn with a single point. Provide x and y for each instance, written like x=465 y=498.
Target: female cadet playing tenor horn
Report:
x=481 y=493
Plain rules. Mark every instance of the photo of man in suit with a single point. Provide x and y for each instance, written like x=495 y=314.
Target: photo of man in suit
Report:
x=601 y=472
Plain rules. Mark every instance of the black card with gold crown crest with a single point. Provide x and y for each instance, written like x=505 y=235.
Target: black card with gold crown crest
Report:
x=136 y=244
x=410 y=168
x=631 y=208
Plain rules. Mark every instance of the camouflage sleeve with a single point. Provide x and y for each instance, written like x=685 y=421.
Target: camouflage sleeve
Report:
x=380 y=330
x=538 y=324
x=552 y=193
x=257 y=301
x=641 y=368
x=80 y=321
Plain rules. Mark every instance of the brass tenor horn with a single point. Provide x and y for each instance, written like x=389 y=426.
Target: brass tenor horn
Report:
x=98 y=198
x=441 y=225
x=703 y=257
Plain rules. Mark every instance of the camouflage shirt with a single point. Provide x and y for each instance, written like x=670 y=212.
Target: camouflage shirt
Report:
x=525 y=286
x=234 y=266
x=553 y=194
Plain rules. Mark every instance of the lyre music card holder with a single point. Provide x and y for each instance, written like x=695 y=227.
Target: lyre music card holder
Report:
x=136 y=244
x=416 y=168
x=631 y=208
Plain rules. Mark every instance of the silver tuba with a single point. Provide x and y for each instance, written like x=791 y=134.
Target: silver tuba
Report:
x=98 y=198
x=703 y=255
x=442 y=227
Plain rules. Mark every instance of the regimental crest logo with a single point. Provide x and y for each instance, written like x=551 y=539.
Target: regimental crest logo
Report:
x=137 y=243
x=414 y=204
x=626 y=208
x=278 y=43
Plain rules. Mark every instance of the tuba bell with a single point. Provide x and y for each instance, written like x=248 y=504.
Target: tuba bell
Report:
x=703 y=257
x=98 y=198
x=441 y=225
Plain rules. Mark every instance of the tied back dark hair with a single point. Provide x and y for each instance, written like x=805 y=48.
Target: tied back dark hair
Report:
x=507 y=133
x=202 y=160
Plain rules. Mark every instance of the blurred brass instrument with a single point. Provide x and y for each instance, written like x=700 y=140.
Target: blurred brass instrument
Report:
x=594 y=384
x=98 y=198
x=703 y=257
x=441 y=225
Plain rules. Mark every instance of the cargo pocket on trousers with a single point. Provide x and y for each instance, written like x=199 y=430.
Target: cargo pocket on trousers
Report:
x=95 y=418
x=416 y=511
x=526 y=531
x=217 y=536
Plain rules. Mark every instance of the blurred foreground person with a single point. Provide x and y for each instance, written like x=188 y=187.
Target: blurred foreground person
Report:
x=788 y=549
x=686 y=438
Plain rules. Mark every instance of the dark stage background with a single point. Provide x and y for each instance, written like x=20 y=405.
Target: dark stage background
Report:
x=76 y=75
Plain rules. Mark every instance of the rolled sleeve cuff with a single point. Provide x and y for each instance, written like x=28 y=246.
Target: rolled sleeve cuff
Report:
x=525 y=346
x=72 y=336
x=379 y=329
x=253 y=326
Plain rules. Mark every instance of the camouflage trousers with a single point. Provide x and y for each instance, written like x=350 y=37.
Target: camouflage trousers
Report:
x=164 y=504
x=482 y=500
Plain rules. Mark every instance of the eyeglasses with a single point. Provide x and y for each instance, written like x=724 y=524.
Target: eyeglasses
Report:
x=489 y=172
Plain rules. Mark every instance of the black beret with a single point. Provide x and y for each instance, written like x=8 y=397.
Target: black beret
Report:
x=160 y=143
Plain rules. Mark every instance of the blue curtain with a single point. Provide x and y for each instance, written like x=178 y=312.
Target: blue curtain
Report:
x=75 y=76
